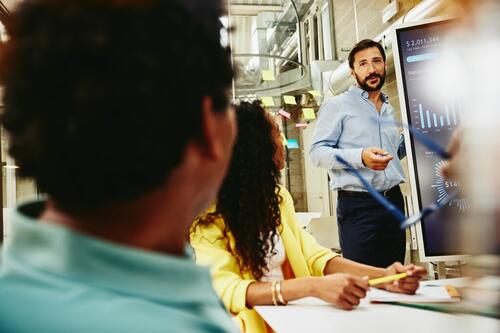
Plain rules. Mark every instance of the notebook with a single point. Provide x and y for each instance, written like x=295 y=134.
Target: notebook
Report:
x=424 y=294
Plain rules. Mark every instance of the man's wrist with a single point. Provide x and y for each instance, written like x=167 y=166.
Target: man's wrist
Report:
x=362 y=159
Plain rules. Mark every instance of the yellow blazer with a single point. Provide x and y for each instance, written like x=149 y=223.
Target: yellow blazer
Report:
x=305 y=255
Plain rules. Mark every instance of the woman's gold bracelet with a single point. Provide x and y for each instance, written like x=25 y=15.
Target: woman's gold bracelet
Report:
x=273 y=292
x=281 y=300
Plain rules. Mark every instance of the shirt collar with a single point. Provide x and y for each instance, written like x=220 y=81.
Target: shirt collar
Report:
x=60 y=251
x=363 y=93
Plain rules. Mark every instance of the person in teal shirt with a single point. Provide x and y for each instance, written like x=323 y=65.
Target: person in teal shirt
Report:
x=102 y=114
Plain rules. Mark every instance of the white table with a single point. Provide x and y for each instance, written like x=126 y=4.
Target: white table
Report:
x=311 y=316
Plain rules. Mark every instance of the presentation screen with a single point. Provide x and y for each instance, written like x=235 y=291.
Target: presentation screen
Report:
x=416 y=55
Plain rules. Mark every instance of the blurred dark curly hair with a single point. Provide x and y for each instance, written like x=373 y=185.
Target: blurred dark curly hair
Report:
x=249 y=199
x=99 y=99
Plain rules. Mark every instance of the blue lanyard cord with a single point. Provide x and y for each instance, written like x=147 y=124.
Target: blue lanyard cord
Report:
x=426 y=141
x=398 y=214
x=373 y=192
x=428 y=211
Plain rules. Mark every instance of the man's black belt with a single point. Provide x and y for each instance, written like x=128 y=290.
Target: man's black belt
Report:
x=358 y=194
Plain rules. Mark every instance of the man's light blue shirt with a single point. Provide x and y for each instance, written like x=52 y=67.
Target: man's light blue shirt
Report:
x=55 y=280
x=347 y=124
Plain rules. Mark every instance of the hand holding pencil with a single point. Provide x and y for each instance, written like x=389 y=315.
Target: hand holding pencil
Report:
x=384 y=279
x=400 y=278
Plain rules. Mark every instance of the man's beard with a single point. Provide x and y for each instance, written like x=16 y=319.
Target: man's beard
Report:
x=364 y=84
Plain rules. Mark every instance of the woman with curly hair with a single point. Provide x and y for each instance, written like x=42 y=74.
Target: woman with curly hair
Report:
x=258 y=253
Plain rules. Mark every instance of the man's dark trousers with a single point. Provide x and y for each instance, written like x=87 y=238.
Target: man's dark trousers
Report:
x=368 y=233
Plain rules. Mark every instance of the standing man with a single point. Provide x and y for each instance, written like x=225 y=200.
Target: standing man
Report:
x=347 y=126
x=101 y=110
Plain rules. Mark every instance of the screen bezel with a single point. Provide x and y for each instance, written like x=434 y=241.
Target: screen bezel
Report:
x=409 y=140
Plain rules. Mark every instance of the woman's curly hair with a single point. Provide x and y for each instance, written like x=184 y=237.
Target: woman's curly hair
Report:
x=249 y=199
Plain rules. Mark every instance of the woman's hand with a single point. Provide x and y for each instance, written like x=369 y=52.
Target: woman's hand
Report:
x=342 y=290
x=407 y=285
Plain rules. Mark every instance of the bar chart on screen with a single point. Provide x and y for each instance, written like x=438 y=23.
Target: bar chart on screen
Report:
x=427 y=119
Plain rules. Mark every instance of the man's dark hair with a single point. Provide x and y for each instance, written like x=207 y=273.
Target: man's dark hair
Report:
x=362 y=45
x=102 y=96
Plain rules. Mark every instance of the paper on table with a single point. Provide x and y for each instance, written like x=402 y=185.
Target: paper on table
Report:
x=424 y=294
x=309 y=301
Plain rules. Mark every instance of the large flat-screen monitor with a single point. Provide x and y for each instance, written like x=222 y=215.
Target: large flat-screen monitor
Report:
x=417 y=49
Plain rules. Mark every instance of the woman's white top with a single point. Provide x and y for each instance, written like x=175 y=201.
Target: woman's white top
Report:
x=275 y=261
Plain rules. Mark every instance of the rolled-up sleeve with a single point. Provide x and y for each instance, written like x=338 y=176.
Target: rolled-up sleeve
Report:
x=210 y=247
x=324 y=147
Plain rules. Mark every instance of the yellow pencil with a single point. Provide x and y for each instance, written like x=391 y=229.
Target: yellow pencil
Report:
x=389 y=278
